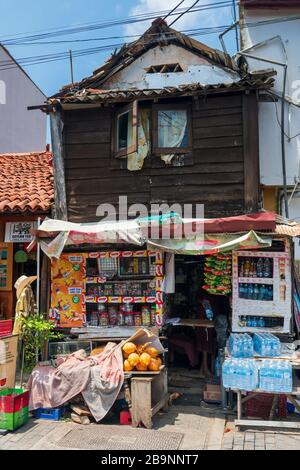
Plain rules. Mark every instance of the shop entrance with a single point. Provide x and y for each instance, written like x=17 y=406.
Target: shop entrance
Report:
x=198 y=325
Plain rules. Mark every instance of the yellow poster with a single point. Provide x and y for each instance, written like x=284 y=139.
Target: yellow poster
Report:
x=8 y=361
x=67 y=300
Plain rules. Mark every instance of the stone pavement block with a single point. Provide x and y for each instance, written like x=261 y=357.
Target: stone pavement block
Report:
x=15 y=437
x=215 y=434
x=238 y=447
x=4 y=439
x=249 y=446
x=226 y=447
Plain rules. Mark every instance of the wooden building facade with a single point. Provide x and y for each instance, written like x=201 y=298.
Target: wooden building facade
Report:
x=215 y=164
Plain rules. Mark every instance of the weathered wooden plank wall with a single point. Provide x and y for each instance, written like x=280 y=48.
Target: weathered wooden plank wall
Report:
x=216 y=177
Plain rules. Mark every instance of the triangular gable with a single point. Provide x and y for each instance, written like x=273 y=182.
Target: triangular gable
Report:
x=159 y=34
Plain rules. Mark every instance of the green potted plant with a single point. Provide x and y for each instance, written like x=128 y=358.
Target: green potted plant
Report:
x=36 y=332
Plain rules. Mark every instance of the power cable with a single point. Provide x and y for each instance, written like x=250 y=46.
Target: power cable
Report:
x=94 y=26
x=185 y=12
x=198 y=32
x=279 y=123
x=35 y=60
x=175 y=8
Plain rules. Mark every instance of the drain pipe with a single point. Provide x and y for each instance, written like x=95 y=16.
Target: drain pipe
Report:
x=282 y=125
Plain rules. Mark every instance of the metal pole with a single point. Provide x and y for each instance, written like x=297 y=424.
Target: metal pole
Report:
x=239 y=404
x=71 y=65
x=236 y=23
x=223 y=391
x=38 y=262
x=22 y=363
x=286 y=203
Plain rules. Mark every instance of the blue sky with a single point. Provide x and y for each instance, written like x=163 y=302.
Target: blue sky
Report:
x=19 y=17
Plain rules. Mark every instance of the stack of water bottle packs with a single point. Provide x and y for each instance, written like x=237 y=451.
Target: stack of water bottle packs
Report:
x=243 y=372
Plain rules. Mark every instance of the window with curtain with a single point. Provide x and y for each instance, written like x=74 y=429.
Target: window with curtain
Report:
x=171 y=129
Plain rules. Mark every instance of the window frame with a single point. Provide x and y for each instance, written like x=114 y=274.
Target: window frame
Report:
x=130 y=107
x=156 y=150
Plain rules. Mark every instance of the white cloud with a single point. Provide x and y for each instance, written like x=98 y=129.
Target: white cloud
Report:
x=200 y=19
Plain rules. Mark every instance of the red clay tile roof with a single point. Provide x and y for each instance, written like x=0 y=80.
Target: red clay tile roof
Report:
x=26 y=182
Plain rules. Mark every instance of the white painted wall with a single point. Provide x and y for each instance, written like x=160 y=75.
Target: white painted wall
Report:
x=20 y=130
x=269 y=129
x=195 y=70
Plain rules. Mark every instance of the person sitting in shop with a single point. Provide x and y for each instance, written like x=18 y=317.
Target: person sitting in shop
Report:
x=183 y=344
x=215 y=308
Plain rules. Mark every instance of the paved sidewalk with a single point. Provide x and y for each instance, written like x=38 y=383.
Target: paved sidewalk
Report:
x=201 y=429
x=253 y=440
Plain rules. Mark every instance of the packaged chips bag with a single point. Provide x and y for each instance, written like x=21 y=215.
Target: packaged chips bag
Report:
x=217 y=274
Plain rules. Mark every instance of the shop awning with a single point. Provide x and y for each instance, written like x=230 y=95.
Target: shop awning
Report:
x=208 y=236
x=211 y=243
x=54 y=235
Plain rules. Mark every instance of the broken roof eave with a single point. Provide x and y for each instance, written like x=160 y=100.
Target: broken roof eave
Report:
x=94 y=98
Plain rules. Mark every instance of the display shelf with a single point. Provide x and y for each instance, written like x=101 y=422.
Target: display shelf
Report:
x=256 y=280
x=120 y=300
x=265 y=314
x=102 y=280
x=103 y=269
x=277 y=303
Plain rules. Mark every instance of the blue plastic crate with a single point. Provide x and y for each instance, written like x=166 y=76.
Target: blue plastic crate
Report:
x=53 y=414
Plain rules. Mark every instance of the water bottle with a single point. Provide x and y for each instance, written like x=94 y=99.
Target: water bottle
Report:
x=261 y=322
x=262 y=291
x=264 y=376
x=250 y=292
x=267 y=268
x=270 y=293
x=218 y=368
x=208 y=310
x=256 y=292
x=225 y=374
x=259 y=268
x=241 y=291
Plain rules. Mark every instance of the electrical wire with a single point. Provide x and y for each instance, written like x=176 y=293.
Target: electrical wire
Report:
x=41 y=59
x=185 y=12
x=175 y=8
x=94 y=26
x=278 y=120
x=195 y=32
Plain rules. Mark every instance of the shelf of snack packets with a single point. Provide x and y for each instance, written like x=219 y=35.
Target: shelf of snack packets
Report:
x=107 y=289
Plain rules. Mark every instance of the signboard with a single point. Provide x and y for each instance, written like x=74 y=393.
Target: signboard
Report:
x=8 y=361
x=19 y=232
x=67 y=297
x=5 y=327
